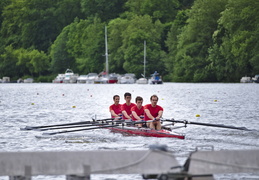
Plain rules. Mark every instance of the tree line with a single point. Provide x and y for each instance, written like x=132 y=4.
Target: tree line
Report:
x=187 y=40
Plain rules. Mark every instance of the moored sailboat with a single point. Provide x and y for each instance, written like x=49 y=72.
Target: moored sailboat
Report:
x=143 y=80
x=104 y=77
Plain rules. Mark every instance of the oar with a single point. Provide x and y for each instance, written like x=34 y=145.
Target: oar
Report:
x=207 y=124
x=78 y=126
x=67 y=124
x=117 y=123
x=60 y=132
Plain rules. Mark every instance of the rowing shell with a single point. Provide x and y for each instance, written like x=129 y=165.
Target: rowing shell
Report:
x=146 y=132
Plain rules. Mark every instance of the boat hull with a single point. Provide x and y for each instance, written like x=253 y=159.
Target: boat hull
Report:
x=146 y=132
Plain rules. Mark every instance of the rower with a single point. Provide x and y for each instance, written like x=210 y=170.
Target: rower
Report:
x=138 y=111
x=126 y=107
x=153 y=112
x=115 y=109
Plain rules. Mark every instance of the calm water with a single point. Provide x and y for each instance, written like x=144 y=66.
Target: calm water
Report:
x=43 y=104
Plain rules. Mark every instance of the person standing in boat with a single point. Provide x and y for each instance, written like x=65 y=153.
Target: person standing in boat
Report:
x=115 y=109
x=138 y=110
x=126 y=107
x=153 y=112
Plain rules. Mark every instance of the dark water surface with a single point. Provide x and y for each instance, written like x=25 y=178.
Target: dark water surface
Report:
x=42 y=104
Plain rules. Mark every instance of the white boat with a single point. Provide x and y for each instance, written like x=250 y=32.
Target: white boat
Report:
x=112 y=78
x=91 y=77
x=70 y=77
x=106 y=79
x=246 y=79
x=101 y=79
x=127 y=79
x=256 y=79
x=28 y=80
x=5 y=80
x=82 y=79
x=143 y=80
x=59 y=79
x=155 y=79
x=20 y=80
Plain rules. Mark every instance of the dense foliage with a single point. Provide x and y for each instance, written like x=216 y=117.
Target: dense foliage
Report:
x=187 y=40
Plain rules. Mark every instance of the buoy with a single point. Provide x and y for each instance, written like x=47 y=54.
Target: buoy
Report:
x=32 y=103
x=197 y=115
x=73 y=106
x=215 y=100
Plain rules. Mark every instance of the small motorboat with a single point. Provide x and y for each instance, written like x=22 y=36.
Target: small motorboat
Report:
x=82 y=79
x=59 y=79
x=256 y=79
x=70 y=77
x=28 y=80
x=246 y=79
x=142 y=81
x=91 y=77
x=155 y=79
x=127 y=79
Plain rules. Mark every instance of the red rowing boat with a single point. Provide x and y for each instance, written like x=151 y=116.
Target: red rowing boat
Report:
x=128 y=130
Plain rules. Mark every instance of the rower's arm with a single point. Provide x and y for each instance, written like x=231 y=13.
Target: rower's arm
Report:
x=149 y=114
x=134 y=114
x=113 y=113
x=160 y=113
x=125 y=114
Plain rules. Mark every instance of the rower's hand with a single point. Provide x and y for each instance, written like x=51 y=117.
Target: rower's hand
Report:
x=156 y=119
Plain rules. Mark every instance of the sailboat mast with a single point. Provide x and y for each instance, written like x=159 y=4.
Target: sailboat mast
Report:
x=106 y=52
x=144 y=59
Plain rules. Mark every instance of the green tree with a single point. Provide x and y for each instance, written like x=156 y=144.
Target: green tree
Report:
x=236 y=41
x=3 y=4
x=60 y=58
x=8 y=60
x=80 y=45
x=195 y=40
x=20 y=62
x=165 y=10
x=115 y=41
x=87 y=45
x=172 y=40
x=36 y=23
x=127 y=48
x=104 y=9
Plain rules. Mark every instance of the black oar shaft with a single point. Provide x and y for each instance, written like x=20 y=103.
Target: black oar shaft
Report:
x=105 y=125
x=60 y=132
x=219 y=125
x=86 y=125
x=208 y=124
x=68 y=127
x=66 y=124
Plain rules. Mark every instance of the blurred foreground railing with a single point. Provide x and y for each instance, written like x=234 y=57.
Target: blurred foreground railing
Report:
x=156 y=163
